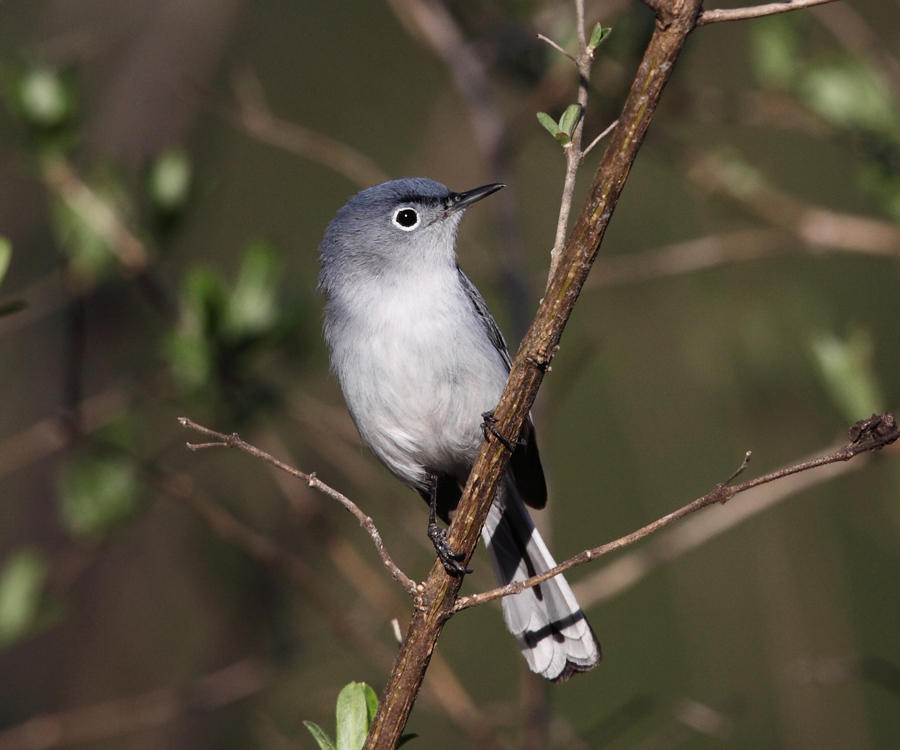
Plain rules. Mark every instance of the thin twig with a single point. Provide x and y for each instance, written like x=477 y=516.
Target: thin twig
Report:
x=234 y=441
x=557 y=47
x=816 y=225
x=722 y=493
x=433 y=22
x=626 y=570
x=254 y=118
x=755 y=11
x=445 y=691
x=606 y=131
x=572 y=149
x=97 y=213
x=689 y=256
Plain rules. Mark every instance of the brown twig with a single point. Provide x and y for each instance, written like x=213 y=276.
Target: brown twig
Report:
x=432 y=21
x=221 y=440
x=263 y=550
x=254 y=117
x=433 y=24
x=866 y=435
x=688 y=256
x=755 y=11
x=628 y=569
x=599 y=137
x=445 y=693
x=815 y=225
x=129 y=250
x=561 y=50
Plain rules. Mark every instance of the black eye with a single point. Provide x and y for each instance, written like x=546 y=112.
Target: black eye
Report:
x=406 y=218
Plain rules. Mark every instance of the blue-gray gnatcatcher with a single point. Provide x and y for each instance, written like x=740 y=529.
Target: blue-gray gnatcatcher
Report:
x=421 y=362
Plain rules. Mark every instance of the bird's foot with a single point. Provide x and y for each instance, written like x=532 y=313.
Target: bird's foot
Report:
x=449 y=559
x=489 y=426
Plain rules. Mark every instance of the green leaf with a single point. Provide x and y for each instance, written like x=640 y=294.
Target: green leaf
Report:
x=570 y=119
x=847 y=371
x=352 y=716
x=5 y=256
x=741 y=176
x=204 y=300
x=553 y=128
x=598 y=35
x=21 y=586
x=252 y=306
x=850 y=97
x=89 y=253
x=191 y=359
x=371 y=704
x=169 y=181
x=322 y=739
x=95 y=494
x=43 y=98
x=548 y=122
x=774 y=52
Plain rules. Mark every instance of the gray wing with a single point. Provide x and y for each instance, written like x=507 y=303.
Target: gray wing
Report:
x=484 y=315
x=525 y=461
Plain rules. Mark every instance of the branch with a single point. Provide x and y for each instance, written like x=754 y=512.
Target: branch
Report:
x=626 y=570
x=816 y=225
x=755 y=11
x=534 y=357
x=254 y=117
x=97 y=213
x=445 y=693
x=221 y=440
x=866 y=435
x=433 y=23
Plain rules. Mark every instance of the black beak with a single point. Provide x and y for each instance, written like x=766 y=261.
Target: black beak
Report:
x=459 y=201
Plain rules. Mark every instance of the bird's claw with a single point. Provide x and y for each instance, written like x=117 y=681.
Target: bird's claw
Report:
x=449 y=559
x=488 y=426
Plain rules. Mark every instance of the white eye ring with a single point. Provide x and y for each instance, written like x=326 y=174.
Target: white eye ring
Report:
x=403 y=215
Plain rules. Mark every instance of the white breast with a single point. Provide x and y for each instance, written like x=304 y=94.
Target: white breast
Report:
x=417 y=370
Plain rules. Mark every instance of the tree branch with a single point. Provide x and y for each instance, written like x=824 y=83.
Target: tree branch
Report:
x=866 y=435
x=755 y=11
x=97 y=213
x=626 y=570
x=220 y=440
x=816 y=225
x=534 y=356
x=254 y=118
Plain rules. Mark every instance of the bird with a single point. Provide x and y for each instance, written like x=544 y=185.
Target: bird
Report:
x=422 y=363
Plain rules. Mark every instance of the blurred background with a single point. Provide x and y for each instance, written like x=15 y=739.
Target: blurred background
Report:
x=167 y=170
